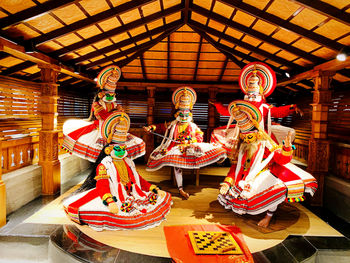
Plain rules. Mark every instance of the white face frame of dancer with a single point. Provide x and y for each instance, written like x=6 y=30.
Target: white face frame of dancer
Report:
x=184 y=116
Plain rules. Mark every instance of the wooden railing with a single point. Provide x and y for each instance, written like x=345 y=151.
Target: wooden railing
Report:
x=17 y=153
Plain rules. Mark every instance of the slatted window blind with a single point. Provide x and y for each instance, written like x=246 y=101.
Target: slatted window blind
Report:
x=18 y=101
x=339 y=117
x=70 y=105
x=200 y=115
x=163 y=111
x=137 y=111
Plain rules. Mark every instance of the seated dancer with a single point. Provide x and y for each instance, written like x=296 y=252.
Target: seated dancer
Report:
x=182 y=145
x=115 y=196
x=262 y=177
x=257 y=81
x=83 y=138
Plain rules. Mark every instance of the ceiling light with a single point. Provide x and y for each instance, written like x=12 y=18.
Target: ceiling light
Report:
x=287 y=74
x=343 y=53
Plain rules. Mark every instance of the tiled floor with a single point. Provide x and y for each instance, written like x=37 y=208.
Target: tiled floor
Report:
x=23 y=242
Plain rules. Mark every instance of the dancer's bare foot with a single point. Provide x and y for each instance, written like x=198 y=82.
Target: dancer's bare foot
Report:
x=265 y=221
x=184 y=194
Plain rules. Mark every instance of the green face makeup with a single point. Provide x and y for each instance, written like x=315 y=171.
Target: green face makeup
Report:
x=109 y=97
x=119 y=151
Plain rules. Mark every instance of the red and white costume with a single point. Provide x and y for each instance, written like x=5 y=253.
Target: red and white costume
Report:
x=183 y=146
x=266 y=179
x=84 y=139
x=116 y=197
x=181 y=155
x=267 y=182
x=140 y=208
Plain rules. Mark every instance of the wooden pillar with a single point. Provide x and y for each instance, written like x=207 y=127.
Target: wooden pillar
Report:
x=318 y=159
x=2 y=193
x=150 y=120
x=48 y=136
x=211 y=112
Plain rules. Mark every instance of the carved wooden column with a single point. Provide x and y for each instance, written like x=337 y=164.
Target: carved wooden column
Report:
x=48 y=137
x=2 y=193
x=150 y=120
x=211 y=112
x=318 y=159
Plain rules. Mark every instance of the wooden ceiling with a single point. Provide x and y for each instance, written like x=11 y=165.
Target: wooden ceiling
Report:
x=175 y=41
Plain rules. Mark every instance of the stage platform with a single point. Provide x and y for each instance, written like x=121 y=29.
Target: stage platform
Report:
x=293 y=228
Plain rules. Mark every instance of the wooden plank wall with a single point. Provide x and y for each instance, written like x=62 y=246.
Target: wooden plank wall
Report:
x=20 y=120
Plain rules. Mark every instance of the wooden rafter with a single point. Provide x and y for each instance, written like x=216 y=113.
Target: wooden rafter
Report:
x=332 y=65
x=277 y=21
x=33 y=12
x=143 y=68
x=118 y=10
x=125 y=52
x=198 y=57
x=243 y=45
x=223 y=69
x=124 y=43
x=227 y=51
x=168 y=57
x=18 y=67
x=185 y=12
x=115 y=31
x=256 y=34
x=137 y=84
x=326 y=10
x=150 y=44
x=38 y=58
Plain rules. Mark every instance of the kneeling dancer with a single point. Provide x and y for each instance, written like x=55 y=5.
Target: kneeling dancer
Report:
x=115 y=196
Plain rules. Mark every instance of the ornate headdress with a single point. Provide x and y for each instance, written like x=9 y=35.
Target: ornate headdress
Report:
x=108 y=77
x=257 y=77
x=246 y=114
x=115 y=128
x=184 y=98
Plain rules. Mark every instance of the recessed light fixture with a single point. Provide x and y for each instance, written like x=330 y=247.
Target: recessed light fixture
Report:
x=287 y=74
x=343 y=53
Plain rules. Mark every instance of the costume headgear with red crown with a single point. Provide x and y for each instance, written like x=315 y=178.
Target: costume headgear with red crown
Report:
x=115 y=130
x=257 y=80
x=108 y=77
x=184 y=98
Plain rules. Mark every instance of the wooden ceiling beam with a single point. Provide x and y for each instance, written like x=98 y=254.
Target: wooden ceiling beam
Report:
x=186 y=11
x=223 y=69
x=197 y=60
x=112 y=12
x=332 y=65
x=124 y=43
x=244 y=45
x=168 y=57
x=175 y=84
x=277 y=21
x=149 y=45
x=326 y=10
x=116 y=31
x=125 y=52
x=143 y=68
x=18 y=67
x=38 y=58
x=33 y=12
x=256 y=34
x=227 y=51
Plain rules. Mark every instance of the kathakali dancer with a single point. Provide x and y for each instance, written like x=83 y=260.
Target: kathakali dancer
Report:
x=84 y=137
x=257 y=81
x=262 y=176
x=182 y=146
x=114 y=196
